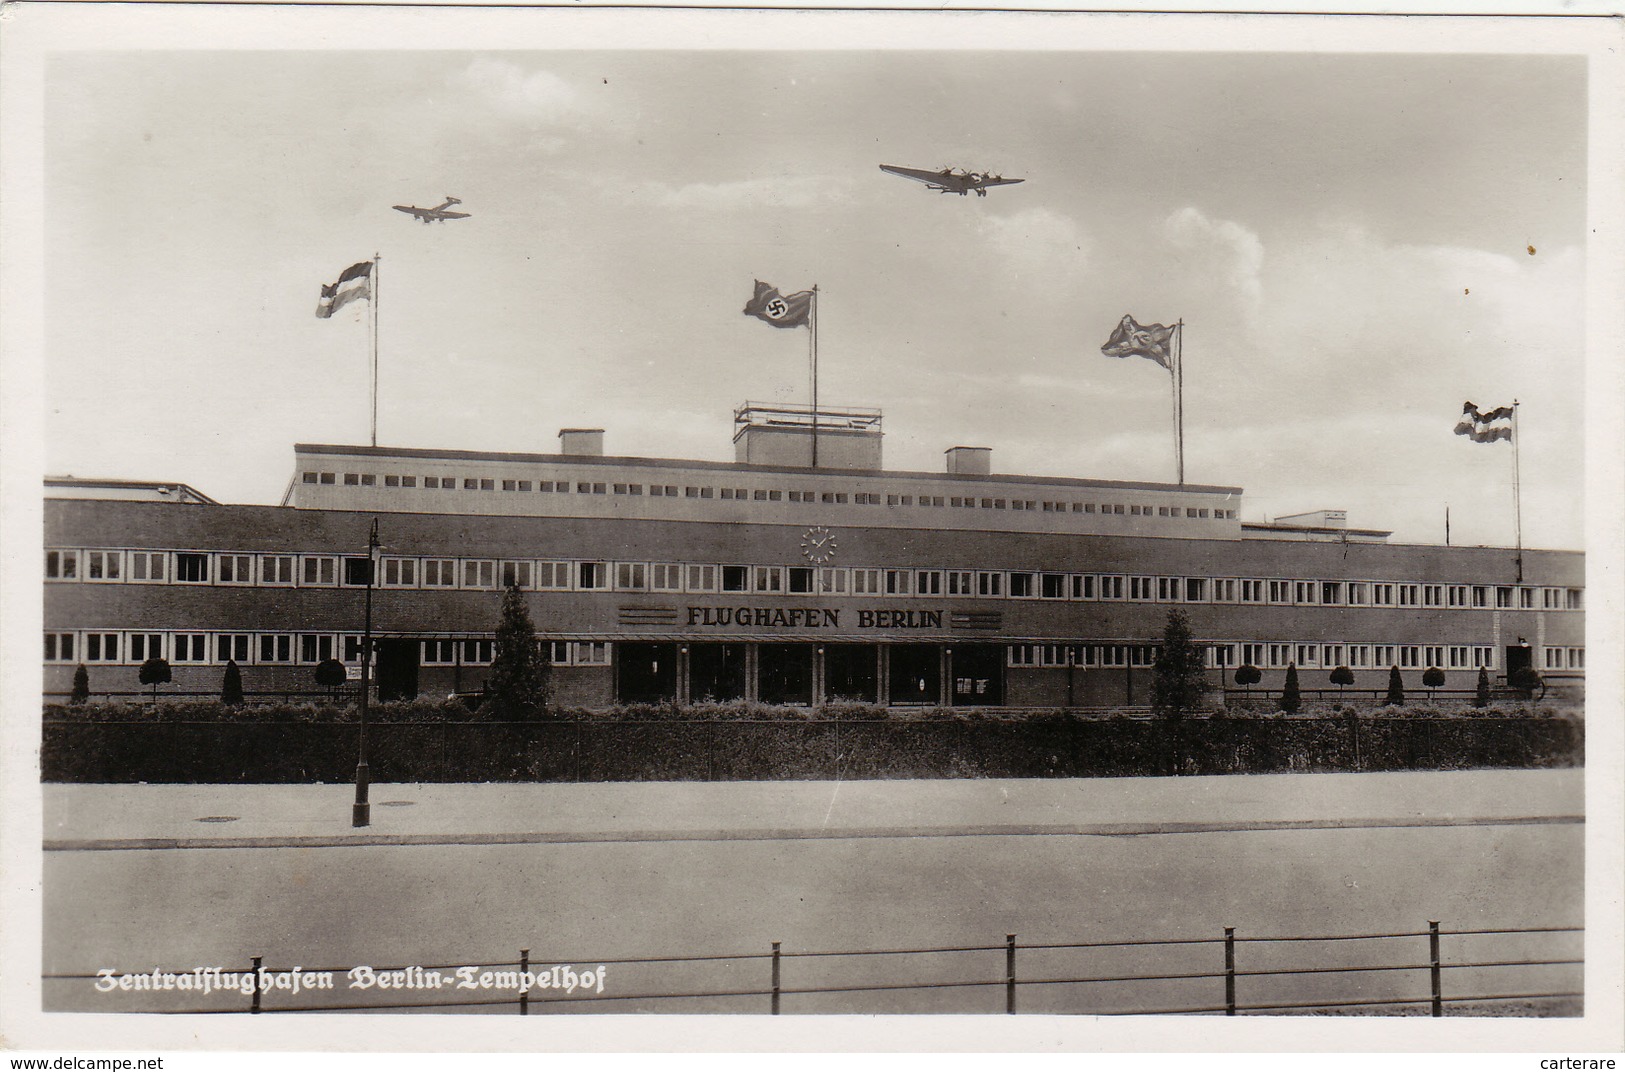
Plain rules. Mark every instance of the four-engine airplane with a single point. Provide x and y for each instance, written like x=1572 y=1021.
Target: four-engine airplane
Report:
x=438 y=214
x=951 y=180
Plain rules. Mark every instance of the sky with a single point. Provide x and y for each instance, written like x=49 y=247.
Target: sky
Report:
x=1356 y=243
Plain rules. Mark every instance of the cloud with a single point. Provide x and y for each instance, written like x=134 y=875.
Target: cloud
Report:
x=1038 y=242
x=1235 y=253
x=537 y=96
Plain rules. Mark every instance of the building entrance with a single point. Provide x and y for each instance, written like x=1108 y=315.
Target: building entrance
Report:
x=784 y=673
x=851 y=673
x=396 y=669
x=978 y=675
x=916 y=674
x=716 y=672
x=645 y=673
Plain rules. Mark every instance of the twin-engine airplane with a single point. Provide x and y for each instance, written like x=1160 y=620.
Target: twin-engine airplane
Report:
x=952 y=180
x=438 y=214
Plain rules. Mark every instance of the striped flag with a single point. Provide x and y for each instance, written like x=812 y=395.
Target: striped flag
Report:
x=354 y=282
x=1485 y=427
x=1141 y=340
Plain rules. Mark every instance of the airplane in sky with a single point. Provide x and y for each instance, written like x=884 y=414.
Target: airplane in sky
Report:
x=951 y=180
x=438 y=214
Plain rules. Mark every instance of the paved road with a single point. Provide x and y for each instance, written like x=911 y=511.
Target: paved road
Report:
x=923 y=864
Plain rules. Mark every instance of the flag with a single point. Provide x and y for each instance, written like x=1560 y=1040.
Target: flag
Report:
x=1141 y=340
x=780 y=310
x=354 y=282
x=1485 y=427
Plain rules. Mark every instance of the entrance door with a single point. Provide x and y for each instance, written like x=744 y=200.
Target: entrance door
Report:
x=916 y=674
x=645 y=673
x=716 y=672
x=784 y=673
x=1519 y=657
x=978 y=675
x=396 y=669
x=851 y=673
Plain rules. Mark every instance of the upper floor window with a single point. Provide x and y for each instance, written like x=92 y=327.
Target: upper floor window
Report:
x=191 y=567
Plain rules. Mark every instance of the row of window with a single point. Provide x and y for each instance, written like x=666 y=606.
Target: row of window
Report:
x=1277 y=656
x=134 y=647
x=689 y=491
x=129 y=647
x=225 y=568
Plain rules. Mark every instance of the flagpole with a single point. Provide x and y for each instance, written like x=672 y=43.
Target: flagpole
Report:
x=812 y=343
x=374 y=333
x=1517 y=503
x=1179 y=399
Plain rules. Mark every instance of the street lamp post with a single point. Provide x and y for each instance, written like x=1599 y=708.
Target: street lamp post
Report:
x=361 y=811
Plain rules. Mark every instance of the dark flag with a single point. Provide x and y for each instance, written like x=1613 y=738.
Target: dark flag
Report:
x=1485 y=427
x=780 y=310
x=1141 y=340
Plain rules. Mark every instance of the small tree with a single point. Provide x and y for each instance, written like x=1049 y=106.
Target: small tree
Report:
x=1396 y=689
x=1291 y=698
x=517 y=684
x=81 y=685
x=1248 y=676
x=155 y=672
x=231 y=687
x=1177 y=677
x=1340 y=677
x=1481 y=698
x=1432 y=677
x=330 y=675
x=1527 y=680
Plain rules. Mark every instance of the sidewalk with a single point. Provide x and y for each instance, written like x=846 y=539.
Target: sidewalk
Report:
x=113 y=817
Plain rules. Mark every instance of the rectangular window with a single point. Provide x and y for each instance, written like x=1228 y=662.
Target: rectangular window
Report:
x=1331 y=655
x=234 y=569
x=631 y=576
x=479 y=573
x=1359 y=655
x=1052 y=586
x=1224 y=590
x=1457 y=657
x=358 y=572
x=1023 y=655
x=1280 y=592
x=315 y=648
x=1359 y=593
x=1410 y=656
x=1307 y=654
x=769 y=579
x=1481 y=595
x=147 y=566
x=101 y=647
x=191 y=567
x=1195 y=590
x=928 y=582
x=1457 y=595
x=1383 y=595
x=1554 y=656
x=232 y=647
x=440 y=573
x=1574 y=599
x=1023 y=585
x=866 y=582
x=276 y=648
x=1577 y=658
x=1432 y=655
x=961 y=583
x=478 y=652
x=1252 y=591
x=1305 y=592
x=702 y=579
x=1432 y=595
x=1526 y=599
x=144 y=646
x=1504 y=597
x=553 y=575
x=833 y=581
x=592 y=575
x=1142 y=588
x=800 y=579
x=897 y=582
x=1111 y=586
x=440 y=653
x=666 y=577
x=517 y=574
x=1331 y=592
x=735 y=579
x=190 y=648
x=1280 y=655
x=591 y=653
x=105 y=566
x=276 y=569
x=319 y=570
x=558 y=652
x=1082 y=586
x=400 y=572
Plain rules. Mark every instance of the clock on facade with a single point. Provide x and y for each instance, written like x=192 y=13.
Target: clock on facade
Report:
x=818 y=545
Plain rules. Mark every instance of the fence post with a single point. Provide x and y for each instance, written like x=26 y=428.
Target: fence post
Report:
x=775 y=978
x=1230 y=971
x=254 y=1004
x=524 y=992
x=1433 y=966
x=1010 y=974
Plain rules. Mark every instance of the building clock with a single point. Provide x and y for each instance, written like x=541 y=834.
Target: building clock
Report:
x=818 y=545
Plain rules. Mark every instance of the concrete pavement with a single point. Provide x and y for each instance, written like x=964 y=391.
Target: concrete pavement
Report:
x=125 y=817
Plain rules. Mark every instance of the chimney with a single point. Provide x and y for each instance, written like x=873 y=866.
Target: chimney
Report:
x=970 y=461
x=585 y=442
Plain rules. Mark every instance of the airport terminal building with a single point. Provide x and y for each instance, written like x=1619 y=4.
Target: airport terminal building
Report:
x=802 y=572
